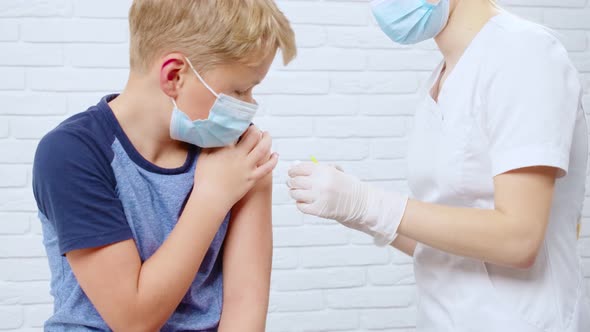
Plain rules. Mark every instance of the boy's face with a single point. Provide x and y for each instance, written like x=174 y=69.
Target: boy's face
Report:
x=235 y=80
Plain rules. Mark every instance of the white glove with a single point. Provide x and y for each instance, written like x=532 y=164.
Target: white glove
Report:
x=327 y=192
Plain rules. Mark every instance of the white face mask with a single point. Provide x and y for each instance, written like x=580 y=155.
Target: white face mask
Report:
x=228 y=120
x=410 y=21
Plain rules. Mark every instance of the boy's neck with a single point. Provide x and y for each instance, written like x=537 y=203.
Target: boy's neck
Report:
x=145 y=118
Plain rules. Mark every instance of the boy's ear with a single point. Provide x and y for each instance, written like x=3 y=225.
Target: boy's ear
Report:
x=172 y=70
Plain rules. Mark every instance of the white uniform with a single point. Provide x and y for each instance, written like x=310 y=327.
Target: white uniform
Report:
x=513 y=100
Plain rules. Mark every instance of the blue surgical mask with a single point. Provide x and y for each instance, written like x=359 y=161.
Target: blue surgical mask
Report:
x=228 y=120
x=410 y=21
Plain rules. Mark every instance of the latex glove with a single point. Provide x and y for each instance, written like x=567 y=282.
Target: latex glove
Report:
x=327 y=192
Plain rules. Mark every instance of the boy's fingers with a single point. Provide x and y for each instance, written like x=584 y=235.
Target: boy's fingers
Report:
x=265 y=159
x=250 y=138
x=261 y=152
x=266 y=168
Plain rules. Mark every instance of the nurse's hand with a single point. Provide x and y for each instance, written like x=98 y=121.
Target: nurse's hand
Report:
x=327 y=192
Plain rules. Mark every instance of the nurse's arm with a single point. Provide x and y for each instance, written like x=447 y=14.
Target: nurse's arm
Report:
x=247 y=261
x=511 y=234
x=404 y=244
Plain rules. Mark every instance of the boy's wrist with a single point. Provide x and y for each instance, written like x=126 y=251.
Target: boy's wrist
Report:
x=211 y=200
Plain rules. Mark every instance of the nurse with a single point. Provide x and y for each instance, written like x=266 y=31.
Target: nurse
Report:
x=496 y=167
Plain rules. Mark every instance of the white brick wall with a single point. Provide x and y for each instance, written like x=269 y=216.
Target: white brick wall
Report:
x=348 y=98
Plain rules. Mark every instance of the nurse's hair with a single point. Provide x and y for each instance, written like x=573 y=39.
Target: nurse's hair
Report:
x=208 y=32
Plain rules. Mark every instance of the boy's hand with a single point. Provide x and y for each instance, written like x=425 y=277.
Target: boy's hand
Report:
x=224 y=175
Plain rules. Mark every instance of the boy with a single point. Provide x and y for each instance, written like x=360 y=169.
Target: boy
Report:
x=135 y=195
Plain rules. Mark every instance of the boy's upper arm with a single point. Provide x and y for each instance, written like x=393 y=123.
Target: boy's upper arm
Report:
x=251 y=218
x=75 y=190
x=247 y=261
x=248 y=244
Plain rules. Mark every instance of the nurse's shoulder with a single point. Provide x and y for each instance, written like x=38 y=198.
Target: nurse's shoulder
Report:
x=531 y=95
x=525 y=45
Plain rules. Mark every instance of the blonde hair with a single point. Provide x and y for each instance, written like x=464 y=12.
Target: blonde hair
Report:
x=208 y=32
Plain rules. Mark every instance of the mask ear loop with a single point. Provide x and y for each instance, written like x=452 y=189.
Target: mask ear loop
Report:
x=200 y=78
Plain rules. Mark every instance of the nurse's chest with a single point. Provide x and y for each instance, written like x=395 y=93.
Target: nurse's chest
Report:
x=448 y=160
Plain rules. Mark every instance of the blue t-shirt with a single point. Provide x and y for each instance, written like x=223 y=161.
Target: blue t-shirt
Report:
x=93 y=189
